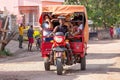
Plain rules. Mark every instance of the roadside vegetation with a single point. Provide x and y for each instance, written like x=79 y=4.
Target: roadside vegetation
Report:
x=103 y=13
x=5 y=53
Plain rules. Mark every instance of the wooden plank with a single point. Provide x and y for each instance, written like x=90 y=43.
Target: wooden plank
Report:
x=3 y=30
x=2 y=46
x=5 y=27
x=0 y=24
x=3 y=41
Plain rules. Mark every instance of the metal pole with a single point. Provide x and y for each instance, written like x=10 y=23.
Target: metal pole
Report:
x=33 y=19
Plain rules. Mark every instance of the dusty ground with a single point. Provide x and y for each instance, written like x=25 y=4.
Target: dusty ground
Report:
x=103 y=63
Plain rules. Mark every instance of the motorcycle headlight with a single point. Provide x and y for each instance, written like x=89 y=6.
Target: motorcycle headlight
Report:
x=58 y=39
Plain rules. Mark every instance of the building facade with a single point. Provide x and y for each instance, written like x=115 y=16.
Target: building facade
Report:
x=27 y=11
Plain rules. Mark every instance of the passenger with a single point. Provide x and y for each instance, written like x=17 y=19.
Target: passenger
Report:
x=74 y=28
x=79 y=29
x=47 y=27
x=47 y=20
x=62 y=27
x=75 y=18
x=68 y=23
x=55 y=21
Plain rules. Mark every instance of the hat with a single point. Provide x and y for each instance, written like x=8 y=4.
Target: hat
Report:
x=61 y=17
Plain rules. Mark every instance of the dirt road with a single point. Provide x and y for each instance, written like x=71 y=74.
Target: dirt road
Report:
x=103 y=63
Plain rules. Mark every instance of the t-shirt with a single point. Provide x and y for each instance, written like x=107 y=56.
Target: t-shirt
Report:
x=62 y=28
x=80 y=27
x=30 y=33
x=55 y=23
x=21 y=31
x=111 y=30
x=118 y=30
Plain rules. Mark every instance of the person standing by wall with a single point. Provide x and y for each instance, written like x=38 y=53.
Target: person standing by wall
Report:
x=30 y=37
x=20 y=38
x=117 y=32
x=111 y=31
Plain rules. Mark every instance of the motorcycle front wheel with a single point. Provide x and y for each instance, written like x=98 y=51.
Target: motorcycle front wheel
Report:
x=59 y=66
x=46 y=64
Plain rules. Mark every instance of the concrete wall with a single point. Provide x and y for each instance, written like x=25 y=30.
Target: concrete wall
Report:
x=54 y=0
x=29 y=2
x=9 y=5
x=12 y=5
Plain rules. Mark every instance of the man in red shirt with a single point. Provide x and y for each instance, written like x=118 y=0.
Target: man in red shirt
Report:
x=111 y=31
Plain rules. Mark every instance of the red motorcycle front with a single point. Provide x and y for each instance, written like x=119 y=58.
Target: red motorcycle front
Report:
x=60 y=54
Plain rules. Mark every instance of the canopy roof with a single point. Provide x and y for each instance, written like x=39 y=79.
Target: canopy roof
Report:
x=63 y=9
x=69 y=9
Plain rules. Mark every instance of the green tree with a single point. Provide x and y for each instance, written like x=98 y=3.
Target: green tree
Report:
x=102 y=12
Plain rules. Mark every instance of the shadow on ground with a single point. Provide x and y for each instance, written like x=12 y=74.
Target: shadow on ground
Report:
x=102 y=41
x=69 y=74
x=102 y=55
x=92 y=69
x=34 y=75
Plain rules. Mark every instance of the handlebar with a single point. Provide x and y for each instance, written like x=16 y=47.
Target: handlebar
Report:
x=51 y=34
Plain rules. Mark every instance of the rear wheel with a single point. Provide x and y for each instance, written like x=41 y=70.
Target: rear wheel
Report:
x=46 y=64
x=83 y=63
x=59 y=66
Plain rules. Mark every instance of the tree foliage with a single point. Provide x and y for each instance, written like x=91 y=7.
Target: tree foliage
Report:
x=102 y=12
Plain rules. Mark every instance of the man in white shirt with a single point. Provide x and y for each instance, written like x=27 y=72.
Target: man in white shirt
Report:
x=79 y=29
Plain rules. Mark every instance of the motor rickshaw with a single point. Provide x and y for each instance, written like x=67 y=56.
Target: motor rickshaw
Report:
x=78 y=44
